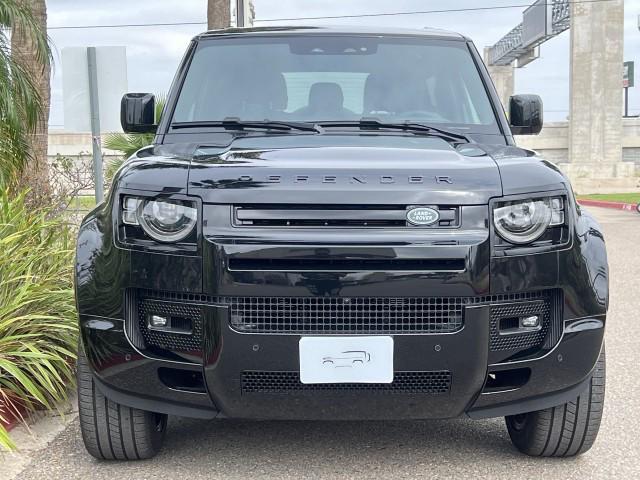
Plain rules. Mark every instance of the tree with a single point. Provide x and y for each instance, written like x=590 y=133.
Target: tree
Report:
x=20 y=99
x=218 y=14
x=27 y=52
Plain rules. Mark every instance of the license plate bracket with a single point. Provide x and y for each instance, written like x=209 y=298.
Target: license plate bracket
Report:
x=354 y=359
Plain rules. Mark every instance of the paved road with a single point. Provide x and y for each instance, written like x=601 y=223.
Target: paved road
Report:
x=429 y=449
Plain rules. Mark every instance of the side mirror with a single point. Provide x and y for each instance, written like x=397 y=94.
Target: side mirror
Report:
x=137 y=113
x=525 y=114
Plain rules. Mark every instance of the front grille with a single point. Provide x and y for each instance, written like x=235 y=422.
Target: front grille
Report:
x=182 y=313
x=350 y=216
x=434 y=382
x=373 y=315
x=337 y=315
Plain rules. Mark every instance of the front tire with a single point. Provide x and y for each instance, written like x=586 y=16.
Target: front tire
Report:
x=566 y=430
x=111 y=431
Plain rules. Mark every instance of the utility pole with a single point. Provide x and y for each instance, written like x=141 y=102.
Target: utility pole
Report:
x=218 y=14
x=241 y=12
x=92 y=67
x=627 y=81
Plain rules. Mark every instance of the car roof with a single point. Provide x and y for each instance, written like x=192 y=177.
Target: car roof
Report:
x=333 y=30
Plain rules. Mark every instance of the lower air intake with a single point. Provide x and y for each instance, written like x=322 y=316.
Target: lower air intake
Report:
x=430 y=383
x=520 y=340
x=170 y=340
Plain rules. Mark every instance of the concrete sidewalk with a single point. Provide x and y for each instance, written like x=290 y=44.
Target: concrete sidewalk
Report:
x=33 y=438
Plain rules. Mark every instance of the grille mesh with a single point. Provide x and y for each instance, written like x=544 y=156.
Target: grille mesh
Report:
x=519 y=341
x=371 y=315
x=345 y=315
x=168 y=340
x=435 y=382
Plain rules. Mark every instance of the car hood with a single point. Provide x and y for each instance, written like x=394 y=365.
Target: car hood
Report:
x=369 y=171
x=338 y=170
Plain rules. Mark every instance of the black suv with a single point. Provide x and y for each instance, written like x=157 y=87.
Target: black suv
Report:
x=337 y=224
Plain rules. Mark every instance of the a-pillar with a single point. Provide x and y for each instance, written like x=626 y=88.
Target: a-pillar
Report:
x=502 y=77
x=595 y=118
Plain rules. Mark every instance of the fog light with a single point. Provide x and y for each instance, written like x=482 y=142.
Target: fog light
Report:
x=532 y=321
x=158 y=321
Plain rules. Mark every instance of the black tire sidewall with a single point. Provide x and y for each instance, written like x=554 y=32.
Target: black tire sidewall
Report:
x=523 y=437
x=145 y=430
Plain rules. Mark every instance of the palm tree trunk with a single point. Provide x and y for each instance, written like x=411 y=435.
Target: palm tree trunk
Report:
x=218 y=14
x=36 y=172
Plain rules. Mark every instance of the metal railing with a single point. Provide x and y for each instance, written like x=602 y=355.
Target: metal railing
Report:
x=510 y=47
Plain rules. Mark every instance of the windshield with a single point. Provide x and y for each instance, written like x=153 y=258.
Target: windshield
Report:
x=336 y=78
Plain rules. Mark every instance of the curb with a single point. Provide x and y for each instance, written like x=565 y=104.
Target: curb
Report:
x=604 y=204
x=31 y=439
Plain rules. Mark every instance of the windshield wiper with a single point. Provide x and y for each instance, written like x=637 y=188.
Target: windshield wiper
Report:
x=233 y=123
x=367 y=123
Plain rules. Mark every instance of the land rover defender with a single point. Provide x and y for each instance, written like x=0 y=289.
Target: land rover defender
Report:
x=314 y=192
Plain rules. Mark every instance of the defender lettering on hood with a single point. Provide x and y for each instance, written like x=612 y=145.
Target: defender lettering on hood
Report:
x=355 y=179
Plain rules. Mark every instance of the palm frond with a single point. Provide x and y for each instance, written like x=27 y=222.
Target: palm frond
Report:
x=20 y=102
x=130 y=143
x=161 y=101
x=14 y=13
x=19 y=97
x=127 y=143
x=13 y=148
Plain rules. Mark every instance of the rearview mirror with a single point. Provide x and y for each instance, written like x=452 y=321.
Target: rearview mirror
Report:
x=137 y=113
x=525 y=114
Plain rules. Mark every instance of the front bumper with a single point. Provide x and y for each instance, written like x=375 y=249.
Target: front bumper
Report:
x=243 y=375
x=238 y=368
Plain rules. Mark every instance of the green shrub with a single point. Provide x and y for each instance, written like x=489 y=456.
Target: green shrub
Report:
x=38 y=326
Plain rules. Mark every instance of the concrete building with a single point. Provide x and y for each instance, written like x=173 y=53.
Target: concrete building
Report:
x=596 y=149
x=74 y=145
x=553 y=144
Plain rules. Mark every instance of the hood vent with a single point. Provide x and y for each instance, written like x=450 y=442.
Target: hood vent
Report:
x=332 y=216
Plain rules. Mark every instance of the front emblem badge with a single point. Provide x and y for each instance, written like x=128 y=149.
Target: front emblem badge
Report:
x=422 y=216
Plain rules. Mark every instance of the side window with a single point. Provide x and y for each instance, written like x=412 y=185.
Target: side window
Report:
x=449 y=94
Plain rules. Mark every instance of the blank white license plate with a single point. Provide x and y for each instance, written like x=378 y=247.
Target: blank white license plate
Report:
x=346 y=359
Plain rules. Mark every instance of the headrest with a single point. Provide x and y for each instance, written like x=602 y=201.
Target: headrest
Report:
x=374 y=94
x=326 y=96
x=383 y=93
x=268 y=89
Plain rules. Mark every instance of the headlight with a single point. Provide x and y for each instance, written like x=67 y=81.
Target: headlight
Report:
x=164 y=220
x=524 y=221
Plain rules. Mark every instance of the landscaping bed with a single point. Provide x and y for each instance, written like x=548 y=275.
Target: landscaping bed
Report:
x=38 y=326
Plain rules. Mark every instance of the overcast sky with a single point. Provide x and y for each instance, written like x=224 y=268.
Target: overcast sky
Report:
x=154 y=52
